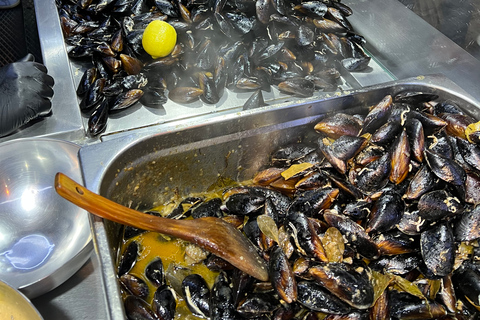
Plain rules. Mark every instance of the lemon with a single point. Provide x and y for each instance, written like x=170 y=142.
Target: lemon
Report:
x=159 y=39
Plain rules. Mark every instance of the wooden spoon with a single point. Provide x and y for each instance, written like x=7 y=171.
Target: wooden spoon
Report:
x=212 y=234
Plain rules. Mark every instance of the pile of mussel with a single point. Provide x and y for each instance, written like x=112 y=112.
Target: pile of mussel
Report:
x=241 y=45
x=377 y=220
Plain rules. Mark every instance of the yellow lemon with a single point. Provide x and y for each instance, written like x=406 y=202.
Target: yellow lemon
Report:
x=159 y=39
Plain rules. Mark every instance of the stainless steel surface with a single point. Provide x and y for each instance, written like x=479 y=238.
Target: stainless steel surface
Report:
x=144 y=170
x=15 y=305
x=396 y=37
x=140 y=116
x=44 y=238
x=65 y=121
x=408 y=46
x=80 y=297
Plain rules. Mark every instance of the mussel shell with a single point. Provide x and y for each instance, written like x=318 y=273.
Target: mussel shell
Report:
x=196 y=294
x=338 y=125
x=397 y=264
x=356 y=64
x=354 y=233
x=97 y=122
x=221 y=300
x=470 y=152
x=126 y=99
x=414 y=97
x=305 y=235
x=374 y=176
x=210 y=208
x=255 y=101
x=400 y=158
x=300 y=86
x=257 y=304
x=467 y=227
x=358 y=210
x=422 y=182
x=416 y=137
x=134 y=285
x=244 y=204
x=316 y=298
x=445 y=168
x=164 y=303
x=412 y=223
x=406 y=306
x=377 y=116
x=339 y=164
x=438 y=249
x=386 y=133
x=185 y=94
x=281 y=275
x=347 y=147
x=457 y=123
x=94 y=95
x=386 y=212
x=294 y=153
x=88 y=78
x=472 y=185
x=350 y=285
x=395 y=243
x=467 y=285
x=311 y=202
x=438 y=204
x=153 y=97
x=128 y=258
x=155 y=273
x=137 y=308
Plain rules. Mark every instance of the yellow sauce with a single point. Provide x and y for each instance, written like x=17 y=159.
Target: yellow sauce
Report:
x=170 y=250
x=152 y=246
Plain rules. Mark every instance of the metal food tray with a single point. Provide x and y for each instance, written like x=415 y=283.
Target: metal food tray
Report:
x=67 y=122
x=141 y=170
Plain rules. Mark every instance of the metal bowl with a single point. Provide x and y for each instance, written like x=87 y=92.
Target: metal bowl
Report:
x=44 y=239
x=15 y=305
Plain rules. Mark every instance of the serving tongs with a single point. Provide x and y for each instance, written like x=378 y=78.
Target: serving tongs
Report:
x=213 y=234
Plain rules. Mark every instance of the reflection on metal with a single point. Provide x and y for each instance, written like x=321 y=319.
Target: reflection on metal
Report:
x=29 y=252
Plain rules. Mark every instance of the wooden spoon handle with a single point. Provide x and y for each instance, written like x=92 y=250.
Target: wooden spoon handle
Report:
x=212 y=234
x=105 y=208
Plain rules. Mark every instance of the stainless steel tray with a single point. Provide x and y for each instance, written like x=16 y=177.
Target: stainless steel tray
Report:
x=67 y=74
x=144 y=168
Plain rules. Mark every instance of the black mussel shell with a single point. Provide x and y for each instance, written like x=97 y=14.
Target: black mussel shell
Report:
x=128 y=258
x=446 y=169
x=315 y=297
x=281 y=275
x=134 y=285
x=154 y=272
x=221 y=300
x=354 y=233
x=386 y=212
x=467 y=227
x=196 y=294
x=438 y=249
x=438 y=204
x=137 y=308
x=349 y=284
x=164 y=303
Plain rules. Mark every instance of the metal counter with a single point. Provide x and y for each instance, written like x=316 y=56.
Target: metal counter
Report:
x=401 y=43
